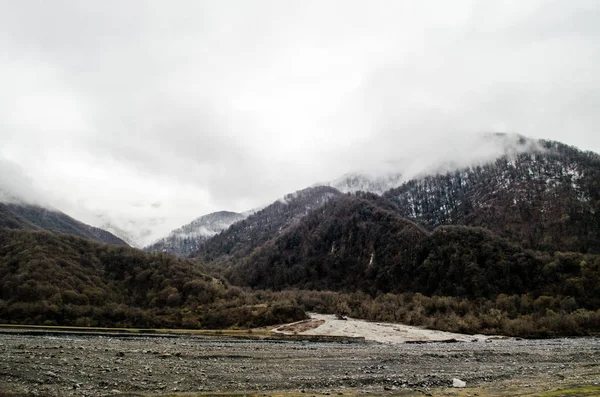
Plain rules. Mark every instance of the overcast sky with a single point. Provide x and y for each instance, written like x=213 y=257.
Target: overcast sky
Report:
x=152 y=113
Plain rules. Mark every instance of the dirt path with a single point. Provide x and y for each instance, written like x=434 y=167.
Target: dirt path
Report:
x=329 y=325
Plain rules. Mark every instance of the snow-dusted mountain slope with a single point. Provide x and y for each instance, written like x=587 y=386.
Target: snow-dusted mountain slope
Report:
x=186 y=239
x=355 y=182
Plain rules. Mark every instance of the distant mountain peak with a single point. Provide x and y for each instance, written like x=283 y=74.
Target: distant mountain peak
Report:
x=186 y=239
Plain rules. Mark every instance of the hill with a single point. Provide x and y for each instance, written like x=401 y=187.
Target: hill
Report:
x=34 y=217
x=356 y=243
x=67 y=280
x=349 y=243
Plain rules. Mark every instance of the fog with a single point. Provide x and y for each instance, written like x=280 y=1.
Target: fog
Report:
x=147 y=115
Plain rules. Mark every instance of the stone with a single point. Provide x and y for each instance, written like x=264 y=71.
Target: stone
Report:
x=458 y=383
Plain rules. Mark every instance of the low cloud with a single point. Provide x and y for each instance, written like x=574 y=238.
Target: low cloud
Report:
x=111 y=108
x=16 y=187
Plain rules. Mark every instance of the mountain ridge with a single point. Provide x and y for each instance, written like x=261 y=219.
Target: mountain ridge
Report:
x=548 y=200
x=35 y=217
x=241 y=237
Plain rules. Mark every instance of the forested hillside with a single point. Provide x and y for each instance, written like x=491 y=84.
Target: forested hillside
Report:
x=457 y=278
x=350 y=243
x=241 y=238
x=353 y=243
x=545 y=200
x=34 y=217
x=66 y=280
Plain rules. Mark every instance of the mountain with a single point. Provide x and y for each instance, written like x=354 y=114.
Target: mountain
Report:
x=544 y=199
x=66 y=280
x=33 y=217
x=477 y=149
x=345 y=245
x=358 y=242
x=355 y=182
x=525 y=223
x=242 y=237
x=187 y=239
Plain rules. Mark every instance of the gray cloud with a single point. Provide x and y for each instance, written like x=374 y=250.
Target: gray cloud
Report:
x=147 y=115
x=15 y=186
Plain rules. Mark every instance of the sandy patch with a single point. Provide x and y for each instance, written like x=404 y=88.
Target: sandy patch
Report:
x=329 y=325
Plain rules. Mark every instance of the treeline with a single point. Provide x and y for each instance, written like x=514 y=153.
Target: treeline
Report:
x=513 y=315
x=65 y=280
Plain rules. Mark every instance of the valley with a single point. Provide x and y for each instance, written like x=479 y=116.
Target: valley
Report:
x=445 y=276
x=299 y=199
x=96 y=365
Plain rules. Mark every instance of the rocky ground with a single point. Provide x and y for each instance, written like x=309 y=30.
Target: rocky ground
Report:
x=100 y=365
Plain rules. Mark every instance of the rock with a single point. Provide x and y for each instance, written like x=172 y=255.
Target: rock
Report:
x=458 y=383
x=120 y=354
x=52 y=374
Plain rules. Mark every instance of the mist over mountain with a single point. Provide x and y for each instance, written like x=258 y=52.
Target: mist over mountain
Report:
x=188 y=238
x=546 y=199
x=356 y=182
x=142 y=221
x=518 y=234
x=129 y=237
x=98 y=118
x=34 y=217
x=482 y=149
x=524 y=223
x=439 y=166
x=448 y=154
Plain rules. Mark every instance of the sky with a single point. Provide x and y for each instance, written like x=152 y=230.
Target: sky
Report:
x=148 y=114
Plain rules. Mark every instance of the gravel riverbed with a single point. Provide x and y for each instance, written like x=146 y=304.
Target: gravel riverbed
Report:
x=101 y=365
